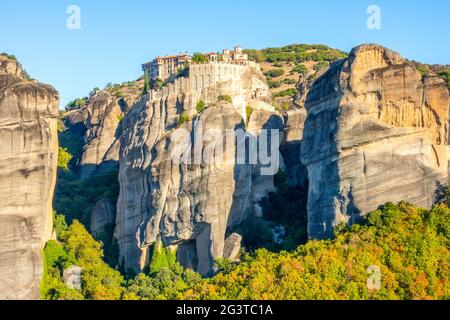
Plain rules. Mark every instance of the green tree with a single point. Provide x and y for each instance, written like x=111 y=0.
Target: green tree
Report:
x=64 y=158
x=291 y=92
x=300 y=68
x=274 y=73
x=162 y=258
x=410 y=246
x=248 y=112
x=199 y=58
x=226 y=98
x=273 y=84
x=183 y=118
x=146 y=88
x=201 y=106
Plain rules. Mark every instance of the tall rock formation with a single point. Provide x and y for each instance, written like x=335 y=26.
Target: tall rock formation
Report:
x=376 y=131
x=28 y=157
x=98 y=124
x=190 y=206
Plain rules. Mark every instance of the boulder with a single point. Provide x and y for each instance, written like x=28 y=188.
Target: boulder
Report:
x=102 y=216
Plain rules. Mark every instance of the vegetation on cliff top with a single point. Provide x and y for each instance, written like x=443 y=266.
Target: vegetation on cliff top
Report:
x=296 y=53
x=283 y=66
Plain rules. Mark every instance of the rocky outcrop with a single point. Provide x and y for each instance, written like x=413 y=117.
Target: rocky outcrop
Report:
x=99 y=124
x=190 y=206
x=28 y=157
x=376 y=131
x=305 y=84
x=294 y=121
x=232 y=246
x=103 y=216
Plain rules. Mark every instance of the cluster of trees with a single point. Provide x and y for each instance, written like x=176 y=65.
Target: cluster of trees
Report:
x=274 y=73
x=296 y=53
x=446 y=76
x=199 y=58
x=300 y=68
x=77 y=103
x=75 y=246
x=291 y=92
x=184 y=117
x=76 y=198
x=64 y=158
x=166 y=278
x=286 y=207
x=273 y=84
x=410 y=246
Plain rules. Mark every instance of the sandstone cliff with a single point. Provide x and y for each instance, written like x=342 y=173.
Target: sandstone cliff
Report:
x=98 y=123
x=28 y=156
x=376 y=131
x=189 y=206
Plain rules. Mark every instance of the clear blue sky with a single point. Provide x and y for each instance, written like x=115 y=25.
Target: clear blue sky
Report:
x=116 y=36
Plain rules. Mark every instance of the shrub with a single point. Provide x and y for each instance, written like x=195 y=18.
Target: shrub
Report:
x=296 y=53
x=183 y=118
x=59 y=224
x=76 y=198
x=255 y=55
x=320 y=65
x=284 y=106
x=248 y=111
x=201 y=106
x=289 y=81
x=446 y=76
x=146 y=88
x=162 y=258
x=291 y=92
x=300 y=68
x=119 y=94
x=94 y=91
x=56 y=256
x=226 y=98
x=423 y=69
x=183 y=71
x=274 y=84
x=199 y=58
x=274 y=73
x=99 y=281
x=156 y=84
x=64 y=158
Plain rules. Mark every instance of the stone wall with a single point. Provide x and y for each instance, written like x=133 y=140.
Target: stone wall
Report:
x=203 y=77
